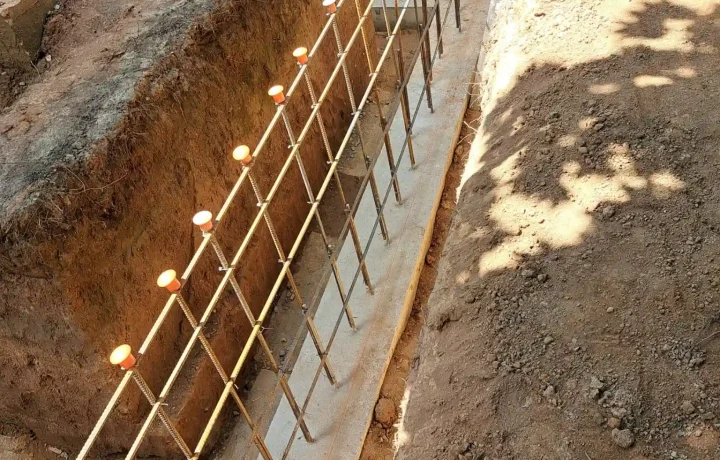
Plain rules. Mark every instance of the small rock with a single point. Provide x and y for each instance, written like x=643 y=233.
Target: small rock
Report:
x=549 y=391
x=548 y=340
x=614 y=422
x=596 y=383
x=385 y=412
x=608 y=212
x=610 y=309
x=623 y=438
x=542 y=277
x=687 y=407
x=528 y=273
x=583 y=150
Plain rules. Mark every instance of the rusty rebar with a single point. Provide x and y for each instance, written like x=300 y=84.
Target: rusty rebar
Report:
x=258 y=440
x=312 y=329
x=406 y=109
x=311 y=197
x=338 y=183
x=457 y=15
x=426 y=74
x=164 y=418
x=438 y=28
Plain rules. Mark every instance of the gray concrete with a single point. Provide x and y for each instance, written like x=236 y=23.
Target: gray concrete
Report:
x=338 y=416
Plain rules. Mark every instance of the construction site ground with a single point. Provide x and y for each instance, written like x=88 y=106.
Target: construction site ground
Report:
x=575 y=312
x=568 y=307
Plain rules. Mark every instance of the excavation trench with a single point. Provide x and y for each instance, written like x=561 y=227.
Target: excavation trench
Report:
x=105 y=156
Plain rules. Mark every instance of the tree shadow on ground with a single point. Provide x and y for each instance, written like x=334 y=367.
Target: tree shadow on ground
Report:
x=584 y=260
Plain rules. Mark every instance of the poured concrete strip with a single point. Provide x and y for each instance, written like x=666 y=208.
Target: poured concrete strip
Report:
x=339 y=416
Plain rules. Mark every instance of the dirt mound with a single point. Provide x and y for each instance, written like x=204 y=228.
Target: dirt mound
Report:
x=575 y=315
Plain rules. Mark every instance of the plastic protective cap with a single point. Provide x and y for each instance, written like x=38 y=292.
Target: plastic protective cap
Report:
x=330 y=6
x=122 y=356
x=168 y=279
x=203 y=219
x=301 y=55
x=277 y=94
x=242 y=154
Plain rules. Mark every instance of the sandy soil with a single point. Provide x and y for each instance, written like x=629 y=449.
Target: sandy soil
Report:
x=575 y=313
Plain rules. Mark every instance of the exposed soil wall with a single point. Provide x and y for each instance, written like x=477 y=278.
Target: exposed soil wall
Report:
x=101 y=169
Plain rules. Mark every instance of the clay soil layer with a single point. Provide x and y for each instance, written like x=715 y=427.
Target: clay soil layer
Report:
x=575 y=313
x=105 y=156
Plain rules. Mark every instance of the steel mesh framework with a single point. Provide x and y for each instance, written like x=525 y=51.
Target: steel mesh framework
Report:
x=208 y=224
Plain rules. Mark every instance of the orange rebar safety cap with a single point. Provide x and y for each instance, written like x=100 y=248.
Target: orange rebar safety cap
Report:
x=168 y=279
x=203 y=219
x=301 y=55
x=122 y=356
x=277 y=94
x=242 y=154
x=330 y=6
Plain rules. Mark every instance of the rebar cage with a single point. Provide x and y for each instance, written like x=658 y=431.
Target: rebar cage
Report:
x=208 y=225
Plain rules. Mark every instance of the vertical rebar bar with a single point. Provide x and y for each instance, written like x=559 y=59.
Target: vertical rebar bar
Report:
x=164 y=418
x=388 y=143
x=426 y=23
x=438 y=26
x=426 y=73
x=312 y=328
x=373 y=182
x=404 y=101
x=328 y=150
x=406 y=110
x=259 y=443
x=457 y=15
x=311 y=197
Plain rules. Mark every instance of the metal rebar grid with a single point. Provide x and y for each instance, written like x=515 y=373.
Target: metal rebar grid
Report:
x=394 y=105
x=210 y=225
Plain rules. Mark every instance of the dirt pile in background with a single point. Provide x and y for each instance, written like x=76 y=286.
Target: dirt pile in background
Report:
x=103 y=162
x=575 y=314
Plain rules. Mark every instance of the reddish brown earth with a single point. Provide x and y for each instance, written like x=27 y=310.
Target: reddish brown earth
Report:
x=575 y=311
x=104 y=158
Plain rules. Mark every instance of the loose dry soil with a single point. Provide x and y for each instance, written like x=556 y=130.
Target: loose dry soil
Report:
x=575 y=313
